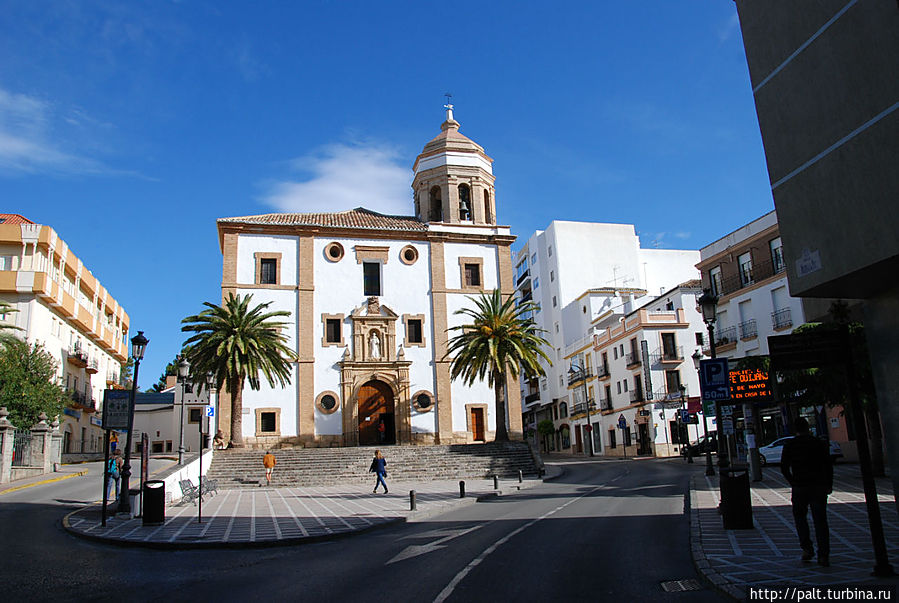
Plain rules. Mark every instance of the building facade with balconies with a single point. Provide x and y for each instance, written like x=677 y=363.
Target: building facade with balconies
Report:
x=642 y=371
x=746 y=270
x=62 y=306
x=577 y=273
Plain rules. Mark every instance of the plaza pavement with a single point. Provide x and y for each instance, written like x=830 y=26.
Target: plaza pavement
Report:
x=769 y=555
x=277 y=516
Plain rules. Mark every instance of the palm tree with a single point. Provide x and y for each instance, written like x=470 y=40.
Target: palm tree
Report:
x=500 y=339
x=235 y=343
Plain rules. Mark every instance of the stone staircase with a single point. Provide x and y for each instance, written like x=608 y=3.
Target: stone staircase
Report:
x=334 y=466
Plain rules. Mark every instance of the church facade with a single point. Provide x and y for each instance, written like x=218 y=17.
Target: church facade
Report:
x=371 y=297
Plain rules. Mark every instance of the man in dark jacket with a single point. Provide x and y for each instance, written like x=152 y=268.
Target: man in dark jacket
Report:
x=807 y=466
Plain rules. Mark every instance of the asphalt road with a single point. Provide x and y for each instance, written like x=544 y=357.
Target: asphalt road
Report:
x=605 y=531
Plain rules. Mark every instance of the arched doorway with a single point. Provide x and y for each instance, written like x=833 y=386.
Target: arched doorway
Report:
x=376 y=409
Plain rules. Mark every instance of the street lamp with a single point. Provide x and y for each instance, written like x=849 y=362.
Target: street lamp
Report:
x=686 y=426
x=709 y=469
x=581 y=373
x=708 y=303
x=183 y=372
x=138 y=347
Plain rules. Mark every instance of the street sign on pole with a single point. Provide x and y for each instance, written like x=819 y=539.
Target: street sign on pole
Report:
x=714 y=379
x=622 y=422
x=116 y=408
x=210 y=411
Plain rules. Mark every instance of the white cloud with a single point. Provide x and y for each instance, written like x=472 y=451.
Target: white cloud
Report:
x=26 y=143
x=340 y=177
x=726 y=30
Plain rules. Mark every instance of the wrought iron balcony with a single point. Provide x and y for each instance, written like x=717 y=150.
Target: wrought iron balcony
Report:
x=532 y=397
x=748 y=274
x=675 y=354
x=602 y=372
x=725 y=336
x=577 y=376
x=77 y=357
x=636 y=396
x=782 y=319
x=605 y=404
x=748 y=329
x=633 y=359
x=93 y=366
x=581 y=408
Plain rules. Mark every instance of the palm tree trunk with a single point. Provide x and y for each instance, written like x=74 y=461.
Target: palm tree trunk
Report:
x=499 y=390
x=236 y=387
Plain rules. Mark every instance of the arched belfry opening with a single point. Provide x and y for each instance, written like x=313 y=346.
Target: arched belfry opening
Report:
x=455 y=175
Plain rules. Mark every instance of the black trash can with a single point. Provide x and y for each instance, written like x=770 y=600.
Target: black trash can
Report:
x=736 y=505
x=154 y=502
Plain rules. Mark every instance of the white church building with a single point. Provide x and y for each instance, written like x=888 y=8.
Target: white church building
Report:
x=371 y=297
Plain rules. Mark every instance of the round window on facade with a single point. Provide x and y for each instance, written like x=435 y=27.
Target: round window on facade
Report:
x=334 y=252
x=408 y=255
x=327 y=403
x=423 y=401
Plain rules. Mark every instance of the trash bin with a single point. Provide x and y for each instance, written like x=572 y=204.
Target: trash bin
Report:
x=736 y=506
x=133 y=494
x=154 y=502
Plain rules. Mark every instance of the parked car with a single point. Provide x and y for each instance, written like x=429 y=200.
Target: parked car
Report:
x=773 y=451
x=698 y=448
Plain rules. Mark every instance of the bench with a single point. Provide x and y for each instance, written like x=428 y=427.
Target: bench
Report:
x=189 y=492
x=208 y=486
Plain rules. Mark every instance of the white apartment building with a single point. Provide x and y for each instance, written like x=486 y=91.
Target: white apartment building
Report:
x=173 y=416
x=555 y=268
x=65 y=308
x=639 y=368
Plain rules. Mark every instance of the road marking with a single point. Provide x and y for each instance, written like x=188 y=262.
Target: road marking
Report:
x=420 y=549
x=46 y=481
x=448 y=590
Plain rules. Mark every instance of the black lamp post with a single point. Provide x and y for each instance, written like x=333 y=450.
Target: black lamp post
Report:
x=138 y=347
x=581 y=374
x=709 y=469
x=183 y=373
x=708 y=302
x=684 y=424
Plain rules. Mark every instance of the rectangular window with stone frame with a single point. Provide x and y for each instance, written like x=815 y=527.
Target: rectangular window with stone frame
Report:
x=414 y=326
x=268 y=268
x=472 y=273
x=332 y=330
x=371 y=278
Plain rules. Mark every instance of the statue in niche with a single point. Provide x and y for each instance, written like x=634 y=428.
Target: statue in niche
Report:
x=374 y=345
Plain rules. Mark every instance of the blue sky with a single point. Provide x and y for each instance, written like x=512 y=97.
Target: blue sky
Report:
x=148 y=120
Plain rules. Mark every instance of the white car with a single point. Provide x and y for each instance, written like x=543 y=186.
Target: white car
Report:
x=773 y=451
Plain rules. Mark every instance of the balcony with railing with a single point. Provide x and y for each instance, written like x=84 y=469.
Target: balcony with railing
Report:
x=77 y=357
x=670 y=397
x=747 y=275
x=93 y=366
x=782 y=319
x=605 y=404
x=666 y=355
x=748 y=330
x=726 y=336
x=535 y=397
x=581 y=408
x=82 y=399
x=637 y=396
x=111 y=378
x=602 y=372
x=578 y=376
x=633 y=359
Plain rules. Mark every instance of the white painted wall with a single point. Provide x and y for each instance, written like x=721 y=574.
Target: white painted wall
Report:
x=453 y=251
x=249 y=244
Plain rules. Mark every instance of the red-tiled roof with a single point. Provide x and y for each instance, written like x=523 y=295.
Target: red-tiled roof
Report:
x=14 y=219
x=353 y=218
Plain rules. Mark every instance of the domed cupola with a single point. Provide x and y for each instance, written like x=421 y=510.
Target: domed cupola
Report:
x=453 y=180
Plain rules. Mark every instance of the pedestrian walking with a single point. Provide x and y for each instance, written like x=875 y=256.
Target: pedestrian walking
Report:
x=114 y=470
x=269 y=462
x=379 y=468
x=807 y=465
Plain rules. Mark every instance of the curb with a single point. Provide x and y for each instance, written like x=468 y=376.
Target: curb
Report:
x=46 y=481
x=700 y=562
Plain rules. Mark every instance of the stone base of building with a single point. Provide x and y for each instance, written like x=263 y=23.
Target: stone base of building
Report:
x=337 y=441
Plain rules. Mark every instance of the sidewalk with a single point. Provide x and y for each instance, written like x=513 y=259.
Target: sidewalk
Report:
x=272 y=516
x=734 y=560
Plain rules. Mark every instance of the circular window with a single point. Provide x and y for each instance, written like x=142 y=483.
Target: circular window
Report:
x=408 y=255
x=334 y=252
x=327 y=403
x=423 y=401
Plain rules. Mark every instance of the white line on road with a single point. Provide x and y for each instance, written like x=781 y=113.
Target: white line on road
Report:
x=448 y=590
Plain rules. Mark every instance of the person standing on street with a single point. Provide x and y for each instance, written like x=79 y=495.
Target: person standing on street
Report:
x=806 y=464
x=379 y=468
x=269 y=462
x=114 y=469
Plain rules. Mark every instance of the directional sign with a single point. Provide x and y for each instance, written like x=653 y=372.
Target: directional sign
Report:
x=713 y=379
x=116 y=408
x=210 y=411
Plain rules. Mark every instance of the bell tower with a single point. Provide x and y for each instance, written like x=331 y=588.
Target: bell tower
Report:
x=453 y=181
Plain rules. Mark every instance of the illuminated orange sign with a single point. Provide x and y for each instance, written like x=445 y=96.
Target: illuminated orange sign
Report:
x=748 y=385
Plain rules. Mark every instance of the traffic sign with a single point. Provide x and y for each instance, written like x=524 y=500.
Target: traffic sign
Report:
x=210 y=411
x=588 y=428
x=622 y=422
x=713 y=379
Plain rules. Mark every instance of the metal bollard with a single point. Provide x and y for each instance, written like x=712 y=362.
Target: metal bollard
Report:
x=496 y=482
x=411 y=500
x=461 y=488
x=520 y=476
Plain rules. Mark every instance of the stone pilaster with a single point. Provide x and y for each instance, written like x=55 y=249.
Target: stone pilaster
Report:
x=7 y=436
x=40 y=444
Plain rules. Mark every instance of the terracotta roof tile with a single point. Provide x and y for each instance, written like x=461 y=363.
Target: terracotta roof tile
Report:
x=354 y=218
x=14 y=219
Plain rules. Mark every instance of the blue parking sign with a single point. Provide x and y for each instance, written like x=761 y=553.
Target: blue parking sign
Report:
x=714 y=379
